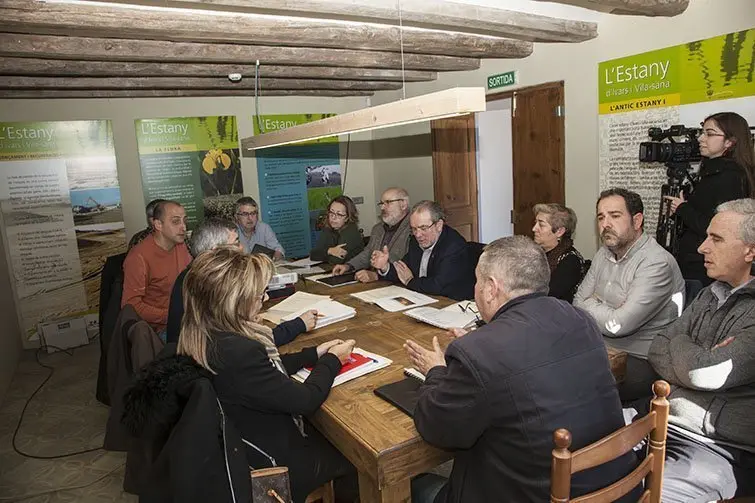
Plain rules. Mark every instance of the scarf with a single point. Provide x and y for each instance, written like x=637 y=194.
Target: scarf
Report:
x=264 y=335
x=556 y=254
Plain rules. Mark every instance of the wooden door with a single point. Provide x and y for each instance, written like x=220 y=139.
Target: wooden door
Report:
x=538 y=151
x=455 y=172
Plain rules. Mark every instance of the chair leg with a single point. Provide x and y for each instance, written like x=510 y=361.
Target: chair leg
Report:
x=325 y=494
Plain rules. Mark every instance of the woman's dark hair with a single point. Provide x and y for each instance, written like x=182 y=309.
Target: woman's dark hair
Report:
x=352 y=214
x=736 y=130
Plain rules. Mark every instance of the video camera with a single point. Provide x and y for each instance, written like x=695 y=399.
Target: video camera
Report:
x=671 y=151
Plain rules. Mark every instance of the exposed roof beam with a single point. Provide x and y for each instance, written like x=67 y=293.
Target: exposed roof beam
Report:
x=125 y=21
x=165 y=93
x=58 y=67
x=637 y=7
x=432 y=14
x=127 y=83
x=113 y=49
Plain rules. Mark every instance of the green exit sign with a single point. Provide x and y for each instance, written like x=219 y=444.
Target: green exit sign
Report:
x=502 y=80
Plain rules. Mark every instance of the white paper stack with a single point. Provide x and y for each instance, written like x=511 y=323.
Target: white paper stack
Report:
x=298 y=302
x=394 y=298
x=376 y=362
x=459 y=315
x=328 y=312
x=304 y=266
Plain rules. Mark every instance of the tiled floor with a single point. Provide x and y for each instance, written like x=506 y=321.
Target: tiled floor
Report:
x=63 y=417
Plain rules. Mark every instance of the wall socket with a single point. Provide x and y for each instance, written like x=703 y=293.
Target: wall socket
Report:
x=358 y=200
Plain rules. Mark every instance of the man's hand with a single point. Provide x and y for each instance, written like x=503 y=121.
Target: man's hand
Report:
x=424 y=359
x=674 y=203
x=457 y=332
x=724 y=342
x=277 y=255
x=338 y=251
x=310 y=319
x=365 y=276
x=405 y=274
x=340 y=269
x=325 y=346
x=379 y=259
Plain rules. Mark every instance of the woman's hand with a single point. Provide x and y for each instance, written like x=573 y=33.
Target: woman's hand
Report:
x=310 y=319
x=342 y=350
x=325 y=346
x=674 y=203
x=338 y=251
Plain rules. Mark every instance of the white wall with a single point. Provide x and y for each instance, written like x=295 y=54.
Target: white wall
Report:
x=577 y=65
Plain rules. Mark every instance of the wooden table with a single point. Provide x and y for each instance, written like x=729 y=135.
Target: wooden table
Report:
x=375 y=436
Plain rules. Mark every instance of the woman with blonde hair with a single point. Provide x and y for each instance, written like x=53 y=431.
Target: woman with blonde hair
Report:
x=223 y=294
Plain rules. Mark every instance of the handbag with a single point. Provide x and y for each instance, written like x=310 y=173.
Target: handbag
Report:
x=269 y=485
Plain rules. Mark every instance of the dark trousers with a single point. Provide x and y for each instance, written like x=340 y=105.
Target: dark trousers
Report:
x=696 y=472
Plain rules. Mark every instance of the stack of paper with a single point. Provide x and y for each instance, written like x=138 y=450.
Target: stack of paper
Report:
x=328 y=312
x=459 y=315
x=360 y=363
x=298 y=302
x=304 y=266
x=394 y=298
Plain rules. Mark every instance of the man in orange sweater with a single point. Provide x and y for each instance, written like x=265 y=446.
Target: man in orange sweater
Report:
x=152 y=266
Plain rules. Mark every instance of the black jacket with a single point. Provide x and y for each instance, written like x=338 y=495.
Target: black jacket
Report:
x=260 y=400
x=111 y=291
x=173 y=414
x=507 y=386
x=721 y=180
x=450 y=271
x=567 y=275
x=283 y=333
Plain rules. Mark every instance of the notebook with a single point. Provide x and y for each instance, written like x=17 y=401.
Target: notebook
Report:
x=360 y=363
x=332 y=281
x=456 y=315
x=403 y=394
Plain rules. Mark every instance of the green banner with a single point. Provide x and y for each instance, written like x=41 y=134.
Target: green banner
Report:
x=705 y=70
x=192 y=160
x=45 y=140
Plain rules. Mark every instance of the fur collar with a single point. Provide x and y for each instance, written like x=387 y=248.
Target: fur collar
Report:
x=154 y=402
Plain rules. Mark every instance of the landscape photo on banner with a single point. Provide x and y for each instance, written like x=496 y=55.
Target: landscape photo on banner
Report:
x=194 y=161
x=679 y=85
x=297 y=182
x=62 y=217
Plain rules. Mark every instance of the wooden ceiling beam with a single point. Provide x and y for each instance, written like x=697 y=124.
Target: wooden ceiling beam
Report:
x=668 y=8
x=114 y=49
x=127 y=21
x=166 y=93
x=129 y=83
x=429 y=14
x=60 y=68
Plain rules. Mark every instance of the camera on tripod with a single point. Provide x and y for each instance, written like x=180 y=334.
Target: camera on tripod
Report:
x=677 y=155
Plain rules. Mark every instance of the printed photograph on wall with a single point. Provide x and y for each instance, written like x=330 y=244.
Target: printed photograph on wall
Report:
x=61 y=211
x=192 y=160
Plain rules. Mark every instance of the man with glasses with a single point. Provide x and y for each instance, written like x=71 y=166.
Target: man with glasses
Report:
x=437 y=262
x=391 y=235
x=252 y=231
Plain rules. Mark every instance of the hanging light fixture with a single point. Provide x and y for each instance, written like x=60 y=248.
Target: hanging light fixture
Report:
x=438 y=105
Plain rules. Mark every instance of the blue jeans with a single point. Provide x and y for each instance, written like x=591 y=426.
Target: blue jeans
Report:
x=426 y=486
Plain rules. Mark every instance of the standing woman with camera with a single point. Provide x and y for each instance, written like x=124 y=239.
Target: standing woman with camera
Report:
x=727 y=172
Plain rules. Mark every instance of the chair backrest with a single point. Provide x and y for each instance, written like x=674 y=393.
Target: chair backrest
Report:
x=565 y=463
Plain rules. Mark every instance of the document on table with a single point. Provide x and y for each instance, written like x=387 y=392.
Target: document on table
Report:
x=304 y=266
x=394 y=298
x=328 y=312
x=360 y=363
x=298 y=302
x=459 y=315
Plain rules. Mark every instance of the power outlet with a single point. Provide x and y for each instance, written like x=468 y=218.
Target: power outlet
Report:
x=358 y=200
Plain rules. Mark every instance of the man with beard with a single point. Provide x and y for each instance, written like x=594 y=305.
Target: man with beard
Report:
x=393 y=232
x=634 y=287
x=152 y=266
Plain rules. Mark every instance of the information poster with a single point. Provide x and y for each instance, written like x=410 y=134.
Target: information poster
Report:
x=296 y=182
x=192 y=160
x=682 y=85
x=61 y=214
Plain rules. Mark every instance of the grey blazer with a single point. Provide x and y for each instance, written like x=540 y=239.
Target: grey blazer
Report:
x=397 y=246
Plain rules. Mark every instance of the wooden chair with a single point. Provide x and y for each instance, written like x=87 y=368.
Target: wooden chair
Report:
x=325 y=493
x=565 y=463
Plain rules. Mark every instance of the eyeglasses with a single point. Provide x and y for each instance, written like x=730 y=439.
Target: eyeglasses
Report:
x=422 y=228
x=708 y=133
x=389 y=201
x=336 y=214
x=247 y=213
